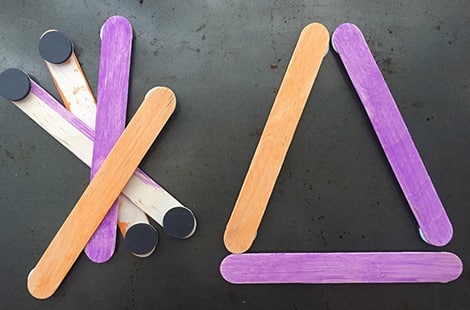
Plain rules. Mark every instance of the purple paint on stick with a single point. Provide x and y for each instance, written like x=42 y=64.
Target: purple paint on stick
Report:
x=63 y=112
x=393 y=134
x=50 y=101
x=320 y=268
x=113 y=83
x=146 y=179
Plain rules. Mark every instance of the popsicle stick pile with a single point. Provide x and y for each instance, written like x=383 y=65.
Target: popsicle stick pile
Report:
x=119 y=194
x=361 y=267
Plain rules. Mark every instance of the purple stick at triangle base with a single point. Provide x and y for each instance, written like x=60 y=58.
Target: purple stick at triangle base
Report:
x=321 y=268
x=113 y=84
x=393 y=134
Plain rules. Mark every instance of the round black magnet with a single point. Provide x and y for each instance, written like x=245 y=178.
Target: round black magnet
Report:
x=141 y=239
x=179 y=223
x=55 y=47
x=14 y=84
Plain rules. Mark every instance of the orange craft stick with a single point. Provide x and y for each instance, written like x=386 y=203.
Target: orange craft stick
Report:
x=276 y=138
x=91 y=208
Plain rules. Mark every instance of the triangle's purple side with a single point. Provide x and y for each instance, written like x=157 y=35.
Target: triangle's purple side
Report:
x=359 y=267
x=393 y=134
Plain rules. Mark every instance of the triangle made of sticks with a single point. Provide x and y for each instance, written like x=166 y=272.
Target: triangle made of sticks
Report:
x=360 y=267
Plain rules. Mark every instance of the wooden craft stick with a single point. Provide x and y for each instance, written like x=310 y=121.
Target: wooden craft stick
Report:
x=277 y=135
x=322 y=268
x=104 y=188
x=57 y=51
x=393 y=134
x=177 y=220
x=113 y=84
x=74 y=89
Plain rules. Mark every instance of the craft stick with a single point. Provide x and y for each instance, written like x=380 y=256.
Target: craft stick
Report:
x=277 y=135
x=393 y=134
x=57 y=51
x=177 y=220
x=322 y=268
x=104 y=188
x=113 y=84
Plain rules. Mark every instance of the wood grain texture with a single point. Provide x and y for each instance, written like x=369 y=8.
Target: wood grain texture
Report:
x=74 y=89
x=113 y=84
x=129 y=214
x=321 y=268
x=77 y=137
x=393 y=134
x=102 y=191
x=75 y=92
x=275 y=140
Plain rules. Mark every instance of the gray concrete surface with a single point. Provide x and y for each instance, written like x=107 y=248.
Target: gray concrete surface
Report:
x=225 y=60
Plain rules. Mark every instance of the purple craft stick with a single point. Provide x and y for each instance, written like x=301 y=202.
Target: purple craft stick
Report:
x=393 y=134
x=320 y=268
x=113 y=83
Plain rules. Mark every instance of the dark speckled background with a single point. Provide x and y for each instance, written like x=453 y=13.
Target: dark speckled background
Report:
x=225 y=60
